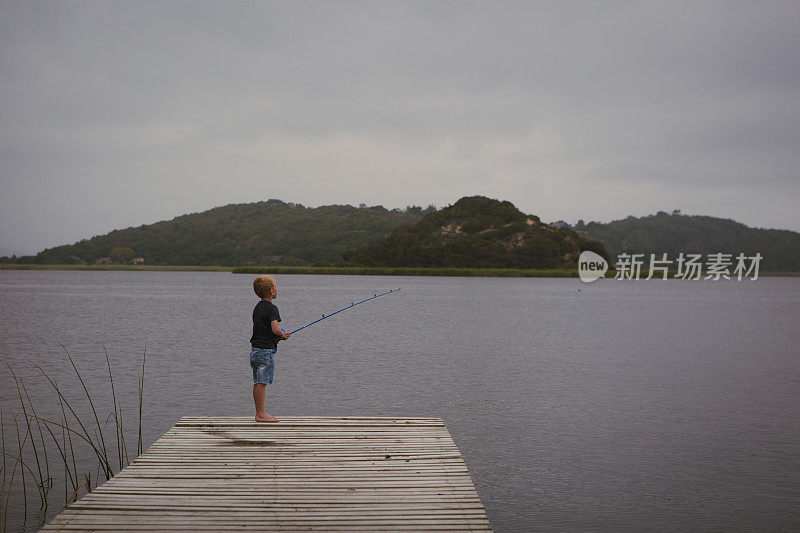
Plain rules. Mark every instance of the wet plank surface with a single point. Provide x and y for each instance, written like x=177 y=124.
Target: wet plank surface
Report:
x=302 y=473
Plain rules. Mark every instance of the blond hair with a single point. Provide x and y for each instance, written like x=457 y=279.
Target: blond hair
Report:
x=264 y=285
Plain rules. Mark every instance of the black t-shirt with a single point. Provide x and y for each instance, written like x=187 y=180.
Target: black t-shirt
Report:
x=263 y=315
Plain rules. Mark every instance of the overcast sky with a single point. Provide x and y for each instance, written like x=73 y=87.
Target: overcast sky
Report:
x=116 y=114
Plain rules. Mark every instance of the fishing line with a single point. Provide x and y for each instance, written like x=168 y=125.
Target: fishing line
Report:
x=344 y=309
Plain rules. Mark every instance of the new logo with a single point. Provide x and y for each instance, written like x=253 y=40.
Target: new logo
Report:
x=591 y=266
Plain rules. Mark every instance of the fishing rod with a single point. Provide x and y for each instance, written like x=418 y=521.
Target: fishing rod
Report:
x=344 y=309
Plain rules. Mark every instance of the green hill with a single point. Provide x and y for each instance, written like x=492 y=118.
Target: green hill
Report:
x=672 y=234
x=476 y=232
x=271 y=232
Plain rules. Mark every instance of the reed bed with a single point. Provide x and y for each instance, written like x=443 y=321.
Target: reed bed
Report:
x=30 y=457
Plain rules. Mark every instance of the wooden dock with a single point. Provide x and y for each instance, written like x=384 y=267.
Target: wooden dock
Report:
x=302 y=473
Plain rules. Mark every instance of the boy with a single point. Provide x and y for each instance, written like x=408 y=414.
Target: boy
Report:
x=266 y=334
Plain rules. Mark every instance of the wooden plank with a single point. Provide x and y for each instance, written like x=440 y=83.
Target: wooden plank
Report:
x=256 y=525
x=300 y=513
x=311 y=473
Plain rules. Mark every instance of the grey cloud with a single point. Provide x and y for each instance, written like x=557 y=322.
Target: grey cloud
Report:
x=96 y=96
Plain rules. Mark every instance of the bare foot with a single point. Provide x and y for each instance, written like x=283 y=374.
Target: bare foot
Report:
x=266 y=418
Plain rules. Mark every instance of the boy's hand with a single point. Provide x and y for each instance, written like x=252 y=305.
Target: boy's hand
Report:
x=276 y=328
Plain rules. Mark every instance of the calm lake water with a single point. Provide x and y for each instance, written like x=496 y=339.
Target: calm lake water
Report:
x=614 y=405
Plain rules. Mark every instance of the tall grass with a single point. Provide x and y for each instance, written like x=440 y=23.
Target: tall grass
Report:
x=118 y=430
x=30 y=461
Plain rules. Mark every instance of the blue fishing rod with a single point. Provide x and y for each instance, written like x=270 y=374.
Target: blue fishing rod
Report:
x=344 y=309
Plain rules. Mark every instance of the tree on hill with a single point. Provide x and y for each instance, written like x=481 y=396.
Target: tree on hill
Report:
x=122 y=254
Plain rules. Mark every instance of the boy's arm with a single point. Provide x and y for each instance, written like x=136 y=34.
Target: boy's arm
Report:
x=276 y=329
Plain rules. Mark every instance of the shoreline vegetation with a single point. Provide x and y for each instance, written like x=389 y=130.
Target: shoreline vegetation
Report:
x=416 y=271
x=347 y=271
x=177 y=268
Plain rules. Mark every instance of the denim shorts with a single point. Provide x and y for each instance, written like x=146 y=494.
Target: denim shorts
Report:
x=262 y=361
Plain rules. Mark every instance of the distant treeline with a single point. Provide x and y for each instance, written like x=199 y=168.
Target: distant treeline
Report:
x=475 y=232
x=676 y=233
x=271 y=232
